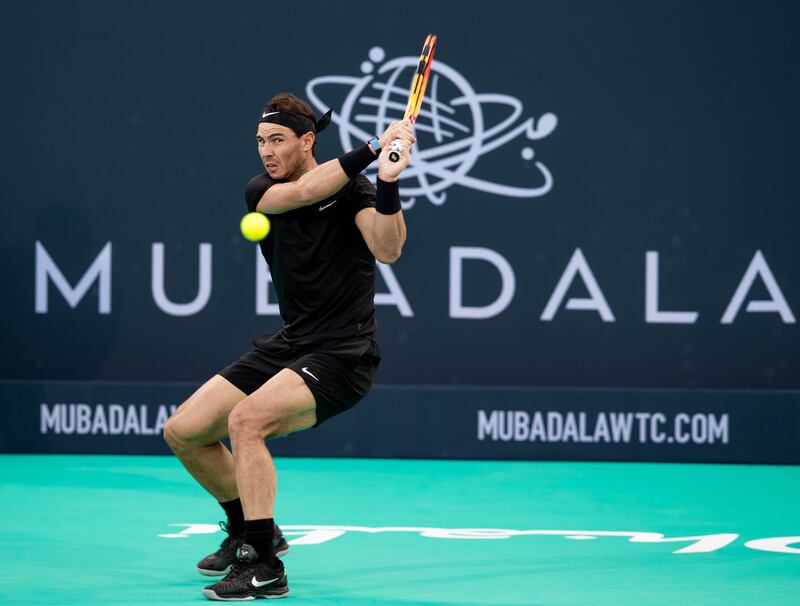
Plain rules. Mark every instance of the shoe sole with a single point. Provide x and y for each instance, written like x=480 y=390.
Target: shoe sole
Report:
x=211 y=595
x=207 y=572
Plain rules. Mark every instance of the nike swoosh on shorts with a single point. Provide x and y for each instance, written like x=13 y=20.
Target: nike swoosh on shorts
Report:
x=308 y=372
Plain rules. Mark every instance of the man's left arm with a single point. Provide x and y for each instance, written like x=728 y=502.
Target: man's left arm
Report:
x=383 y=227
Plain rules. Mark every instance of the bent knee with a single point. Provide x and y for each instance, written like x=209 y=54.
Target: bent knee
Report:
x=245 y=423
x=172 y=433
x=241 y=424
x=181 y=435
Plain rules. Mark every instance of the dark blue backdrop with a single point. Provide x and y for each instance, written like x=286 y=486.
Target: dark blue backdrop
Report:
x=577 y=144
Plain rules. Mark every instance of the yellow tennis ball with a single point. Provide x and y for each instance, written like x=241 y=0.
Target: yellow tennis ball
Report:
x=255 y=226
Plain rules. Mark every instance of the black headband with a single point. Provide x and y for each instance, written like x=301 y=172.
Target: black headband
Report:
x=299 y=123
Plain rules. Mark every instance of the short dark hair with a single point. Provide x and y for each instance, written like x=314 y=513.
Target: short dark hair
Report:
x=287 y=102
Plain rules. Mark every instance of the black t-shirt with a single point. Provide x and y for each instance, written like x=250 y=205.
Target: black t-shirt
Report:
x=322 y=269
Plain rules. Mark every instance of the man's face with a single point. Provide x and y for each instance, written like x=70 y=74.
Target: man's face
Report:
x=281 y=150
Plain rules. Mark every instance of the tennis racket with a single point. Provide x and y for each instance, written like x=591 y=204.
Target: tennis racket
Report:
x=418 y=85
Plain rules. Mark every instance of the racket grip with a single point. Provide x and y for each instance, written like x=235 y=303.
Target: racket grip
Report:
x=395 y=149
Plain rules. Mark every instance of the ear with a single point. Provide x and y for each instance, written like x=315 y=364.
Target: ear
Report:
x=307 y=141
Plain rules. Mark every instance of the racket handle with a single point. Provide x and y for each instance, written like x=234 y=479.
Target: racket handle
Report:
x=395 y=150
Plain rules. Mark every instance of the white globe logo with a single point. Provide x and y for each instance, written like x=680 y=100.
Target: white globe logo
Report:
x=453 y=129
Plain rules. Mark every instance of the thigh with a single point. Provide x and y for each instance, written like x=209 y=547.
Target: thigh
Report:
x=283 y=405
x=204 y=415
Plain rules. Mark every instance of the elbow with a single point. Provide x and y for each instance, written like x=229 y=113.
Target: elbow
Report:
x=387 y=257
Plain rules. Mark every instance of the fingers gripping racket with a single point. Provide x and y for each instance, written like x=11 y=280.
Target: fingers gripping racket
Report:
x=418 y=85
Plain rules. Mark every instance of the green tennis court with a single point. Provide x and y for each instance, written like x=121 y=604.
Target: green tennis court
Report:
x=88 y=530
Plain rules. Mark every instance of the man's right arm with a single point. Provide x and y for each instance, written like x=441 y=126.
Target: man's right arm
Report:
x=326 y=179
x=317 y=184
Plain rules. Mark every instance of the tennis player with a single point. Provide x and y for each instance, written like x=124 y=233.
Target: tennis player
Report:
x=329 y=225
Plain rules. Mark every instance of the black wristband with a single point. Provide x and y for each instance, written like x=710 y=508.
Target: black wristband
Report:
x=387 y=201
x=354 y=162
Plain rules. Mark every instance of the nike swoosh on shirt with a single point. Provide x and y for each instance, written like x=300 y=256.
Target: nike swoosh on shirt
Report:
x=305 y=370
x=327 y=205
x=256 y=583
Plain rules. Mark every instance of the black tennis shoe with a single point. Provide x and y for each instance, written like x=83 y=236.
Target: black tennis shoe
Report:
x=219 y=562
x=250 y=579
x=279 y=544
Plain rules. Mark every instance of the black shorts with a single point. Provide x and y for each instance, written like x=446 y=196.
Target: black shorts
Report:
x=338 y=372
